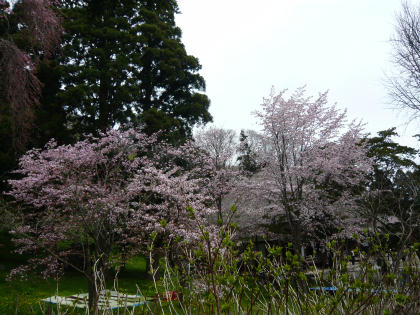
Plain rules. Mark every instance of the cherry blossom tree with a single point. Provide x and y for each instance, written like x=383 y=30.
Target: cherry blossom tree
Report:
x=102 y=197
x=311 y=160
x=220 y=145
x=29 y=31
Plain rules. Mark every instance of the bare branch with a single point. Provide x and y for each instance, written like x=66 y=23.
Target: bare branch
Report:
x=404 y=86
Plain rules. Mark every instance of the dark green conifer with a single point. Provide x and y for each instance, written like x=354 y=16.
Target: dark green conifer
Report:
x=392 y=186
x=123 y=60
x=247 y=158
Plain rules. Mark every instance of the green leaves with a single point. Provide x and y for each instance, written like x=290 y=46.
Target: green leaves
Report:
x=128 y=58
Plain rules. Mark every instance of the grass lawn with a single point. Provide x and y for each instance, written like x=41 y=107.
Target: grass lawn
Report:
x=27 y=294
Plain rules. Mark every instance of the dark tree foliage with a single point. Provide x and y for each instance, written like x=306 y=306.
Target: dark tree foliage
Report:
x=7 y=153
x=123 y=61
x=50 y=116
x=393 y=201
x=29 y=33
x=389 y=155
x=247 y=158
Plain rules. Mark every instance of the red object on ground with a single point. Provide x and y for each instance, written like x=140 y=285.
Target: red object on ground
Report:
x=170 y=295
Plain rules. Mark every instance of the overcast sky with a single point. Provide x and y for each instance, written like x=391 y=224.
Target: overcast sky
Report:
x=245 y=47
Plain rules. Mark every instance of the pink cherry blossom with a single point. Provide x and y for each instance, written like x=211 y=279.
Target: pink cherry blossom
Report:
x=312 y=158
x=104 y=196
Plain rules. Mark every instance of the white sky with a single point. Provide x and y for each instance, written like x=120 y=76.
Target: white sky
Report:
x=245 y=47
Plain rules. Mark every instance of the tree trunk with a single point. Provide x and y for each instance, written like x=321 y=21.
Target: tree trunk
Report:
x=104 y=120
x=295 y=228
x=219 y=208
x=93 y=295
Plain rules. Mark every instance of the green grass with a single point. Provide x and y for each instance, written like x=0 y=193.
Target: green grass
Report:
x=251 y=293
x=27 y=294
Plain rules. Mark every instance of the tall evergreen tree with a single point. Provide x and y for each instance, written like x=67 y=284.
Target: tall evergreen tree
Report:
x=392 y=200
x=124 y=61
x=247 y=157
x=50 y=116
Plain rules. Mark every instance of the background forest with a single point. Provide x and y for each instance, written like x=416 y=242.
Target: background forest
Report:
x=108 y=172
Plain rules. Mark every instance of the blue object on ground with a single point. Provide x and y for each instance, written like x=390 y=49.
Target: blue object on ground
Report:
x=334 y=289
